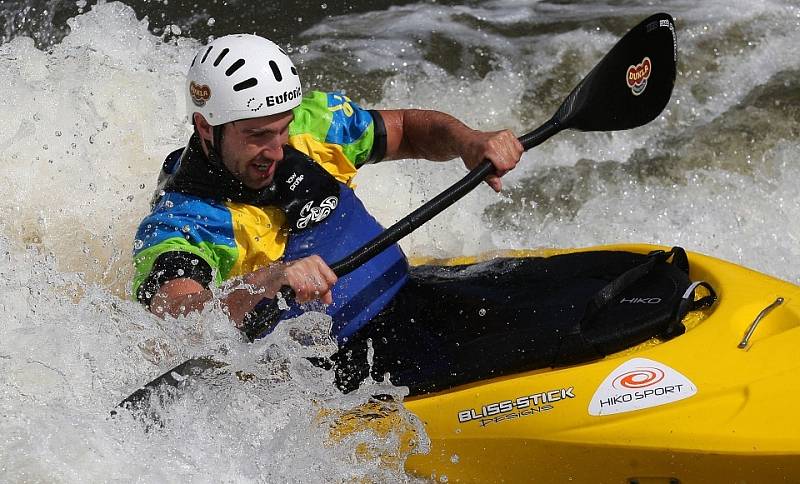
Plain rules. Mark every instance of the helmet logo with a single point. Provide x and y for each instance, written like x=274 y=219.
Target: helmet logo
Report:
x=200 y=93
x=282 y=98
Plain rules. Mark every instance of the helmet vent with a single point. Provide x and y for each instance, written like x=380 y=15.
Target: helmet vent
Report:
x=234 y=67
x=246 y=84
x=206 y=54
x=294 y=71
x=275 y=71
x=221 y=56
x=193 y=61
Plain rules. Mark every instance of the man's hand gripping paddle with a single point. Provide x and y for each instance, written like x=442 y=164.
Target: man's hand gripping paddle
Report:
x=629 y=87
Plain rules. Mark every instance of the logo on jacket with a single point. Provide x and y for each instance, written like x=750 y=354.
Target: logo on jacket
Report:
x=309 y=213
x=294 y=180
x=637 y=76
x=200 y=93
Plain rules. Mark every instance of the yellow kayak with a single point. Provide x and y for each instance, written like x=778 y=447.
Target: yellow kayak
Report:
x=715 y=404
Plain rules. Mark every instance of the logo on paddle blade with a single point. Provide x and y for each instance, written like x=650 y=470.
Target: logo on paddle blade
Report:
x=200 y=93
x=637 y=76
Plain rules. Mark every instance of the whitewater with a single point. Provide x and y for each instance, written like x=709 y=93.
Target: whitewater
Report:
x=88 y=116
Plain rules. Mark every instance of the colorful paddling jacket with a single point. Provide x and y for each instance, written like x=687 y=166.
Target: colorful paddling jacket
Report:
x=207 y=226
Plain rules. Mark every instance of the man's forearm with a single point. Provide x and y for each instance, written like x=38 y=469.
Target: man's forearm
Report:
x=183 y=296
x=167 y=303
x=309 y=277
x=415 y=133
x=237 y=304
x=438 y=136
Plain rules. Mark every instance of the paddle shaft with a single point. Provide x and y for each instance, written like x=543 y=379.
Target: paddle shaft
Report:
x=435 y=206
x=267 y=318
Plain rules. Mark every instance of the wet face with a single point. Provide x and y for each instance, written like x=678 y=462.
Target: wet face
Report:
x=251 y=148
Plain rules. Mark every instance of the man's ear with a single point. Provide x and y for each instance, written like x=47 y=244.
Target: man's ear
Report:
x=203 y=128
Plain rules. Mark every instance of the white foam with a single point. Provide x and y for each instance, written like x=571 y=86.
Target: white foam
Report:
x=84 y=128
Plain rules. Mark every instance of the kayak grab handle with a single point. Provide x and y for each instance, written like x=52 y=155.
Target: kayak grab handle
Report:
x=752 y=328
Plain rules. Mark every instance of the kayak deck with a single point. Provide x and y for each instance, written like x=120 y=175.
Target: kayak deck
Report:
x=454 y=324
x=739 y=424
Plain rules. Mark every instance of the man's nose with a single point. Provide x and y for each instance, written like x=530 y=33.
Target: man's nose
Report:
x=273 y=152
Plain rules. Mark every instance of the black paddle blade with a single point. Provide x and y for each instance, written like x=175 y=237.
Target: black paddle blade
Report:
x=631 y=85
x=138 y=401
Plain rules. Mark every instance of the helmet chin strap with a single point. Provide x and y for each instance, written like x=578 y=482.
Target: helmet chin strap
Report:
x=216 y=132
x=214 y=153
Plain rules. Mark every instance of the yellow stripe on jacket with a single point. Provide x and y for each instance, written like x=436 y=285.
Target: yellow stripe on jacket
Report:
x=329 y=155
x=259 y=234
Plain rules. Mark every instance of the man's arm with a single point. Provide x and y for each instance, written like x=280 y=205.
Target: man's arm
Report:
x=433 y=135
x=310 y=278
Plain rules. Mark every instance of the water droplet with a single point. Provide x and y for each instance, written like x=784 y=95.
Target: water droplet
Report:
x=169 y=204
x=481 y=312
x=58 y=133
x=194 y=262
x=186 y=229
x=211 y=22
x=137 y=244
x=323 y=6
x=141 y=186
x=180 y=272
x=454 y=458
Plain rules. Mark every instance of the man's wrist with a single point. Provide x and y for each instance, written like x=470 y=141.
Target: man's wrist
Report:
x=269 y=278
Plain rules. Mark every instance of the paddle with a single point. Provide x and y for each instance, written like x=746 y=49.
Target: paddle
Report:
x=629 y=87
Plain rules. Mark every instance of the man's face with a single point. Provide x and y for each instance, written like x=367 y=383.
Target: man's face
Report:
x=251 y=148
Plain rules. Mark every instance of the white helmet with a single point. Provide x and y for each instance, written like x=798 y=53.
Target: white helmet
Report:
x=240 y=77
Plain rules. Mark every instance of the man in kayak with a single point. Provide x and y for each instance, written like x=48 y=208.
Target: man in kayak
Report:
x=262 y=195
